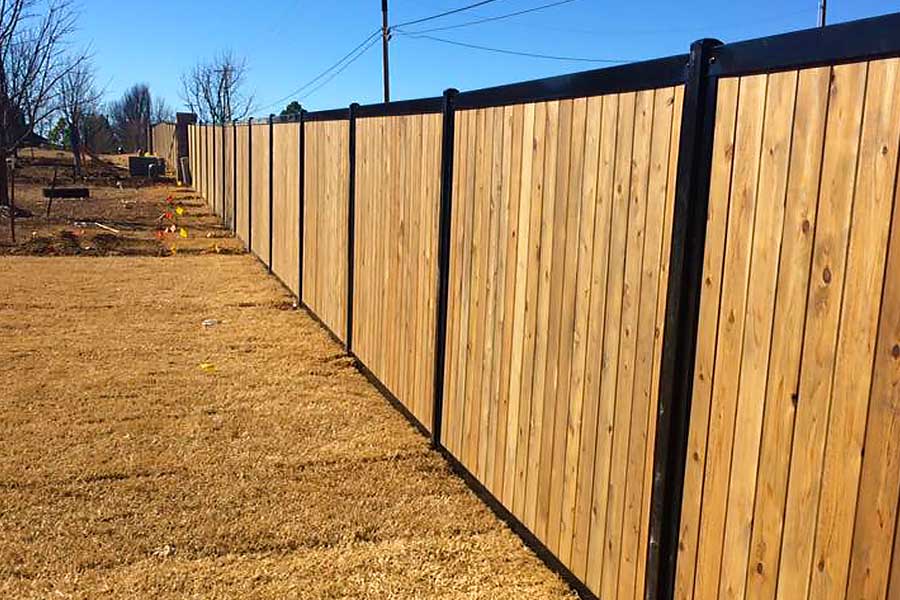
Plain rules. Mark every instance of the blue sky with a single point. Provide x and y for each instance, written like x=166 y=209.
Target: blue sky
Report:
x=288 y=42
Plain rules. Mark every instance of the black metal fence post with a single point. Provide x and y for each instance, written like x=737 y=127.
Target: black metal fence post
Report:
x=302 y=204
x=271 y=188
x=234 y=178
x=682 y=316
x=351 y=223
x=250 y=185
x=443 y=263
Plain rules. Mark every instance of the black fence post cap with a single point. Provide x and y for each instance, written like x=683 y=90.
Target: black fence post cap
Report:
x=704 y=44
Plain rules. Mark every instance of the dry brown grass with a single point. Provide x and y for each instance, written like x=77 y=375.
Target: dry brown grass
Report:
x=128 y=471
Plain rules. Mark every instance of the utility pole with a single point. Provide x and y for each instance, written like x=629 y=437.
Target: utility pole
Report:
x=385 y=38
x=822 y=7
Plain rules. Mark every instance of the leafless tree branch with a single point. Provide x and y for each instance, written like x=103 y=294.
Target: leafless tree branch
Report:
x=34 y=59
x=215 y=90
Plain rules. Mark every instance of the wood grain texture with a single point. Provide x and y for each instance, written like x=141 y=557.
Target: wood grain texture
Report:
x=326 y=201
x=792 y=480
x=164 y=145
x=243 y=182
x=397 y=202
x=705 y=358
x=260 y=192
x=215 y=162
x=801 y=203
x=563 y=210
x=286 y=203
x=228 y=175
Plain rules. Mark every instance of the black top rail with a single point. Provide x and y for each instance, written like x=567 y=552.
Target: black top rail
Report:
x=865 y=39
x=633 y=77
x=854 y=41
x=335 y=114
x=400 y=108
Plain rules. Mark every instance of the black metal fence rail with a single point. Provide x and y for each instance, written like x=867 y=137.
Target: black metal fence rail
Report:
x=700 y=71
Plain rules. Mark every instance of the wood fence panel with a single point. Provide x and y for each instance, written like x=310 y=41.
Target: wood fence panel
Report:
x=797 y=306
x=221 y=179
x=216 y=170
x=243 y=181
x=165 y=145
x=326 y=199
x=207 y=164
x=197 y=158
x=260 y=192
x=200 y=177
x=199 y=167
x=192 y=153
x=228 y=175
x=397 y=202
x=286 y=204
x=560 y=238
x=209 y=186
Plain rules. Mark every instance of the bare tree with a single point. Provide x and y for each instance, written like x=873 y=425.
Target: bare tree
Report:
x=33 y=40
x=130 y=116
x=162 y=111
x=215 y=90
x=78 y=100
x=99 y=136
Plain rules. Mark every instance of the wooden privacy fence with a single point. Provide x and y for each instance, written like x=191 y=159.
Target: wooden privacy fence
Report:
x=651 y=313
x=163 y=143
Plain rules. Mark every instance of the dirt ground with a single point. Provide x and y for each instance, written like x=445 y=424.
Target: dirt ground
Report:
x=144 y=454
x=122 y=216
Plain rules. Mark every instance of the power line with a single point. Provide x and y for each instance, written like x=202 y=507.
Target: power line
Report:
x=496 y=18
x=362 y=47
x=444 y=14
x=669 y=30
x=326 y=71
x=515 y=52
x=341 y=70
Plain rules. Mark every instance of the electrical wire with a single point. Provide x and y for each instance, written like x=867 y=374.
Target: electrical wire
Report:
x=327 y=71
x=444 y=14
x=342 y=64
x=670 y=30
x=341 y=70
x=514 y=52
x=491 y=19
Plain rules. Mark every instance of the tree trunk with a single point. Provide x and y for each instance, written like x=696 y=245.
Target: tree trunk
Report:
x=5 y=198
x=4 y=181
x=76 y=149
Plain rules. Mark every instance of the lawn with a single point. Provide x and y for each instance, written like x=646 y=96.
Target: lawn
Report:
x=144 y=453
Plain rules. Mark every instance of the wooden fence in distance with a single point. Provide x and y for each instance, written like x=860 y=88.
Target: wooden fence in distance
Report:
x=164 y=145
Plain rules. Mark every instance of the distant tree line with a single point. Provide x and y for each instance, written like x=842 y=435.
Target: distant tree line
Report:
x=48 y=86
x=121 y=124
